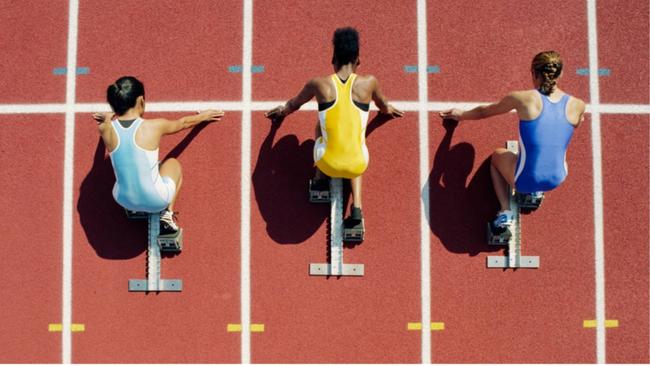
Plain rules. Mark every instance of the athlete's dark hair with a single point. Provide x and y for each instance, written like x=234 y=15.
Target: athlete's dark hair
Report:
x=547 y=65
x=123 y=94
x=346 y=46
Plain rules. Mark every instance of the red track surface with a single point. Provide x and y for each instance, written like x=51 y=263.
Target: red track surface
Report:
x=492 y=43
x=33 y=51
x=31 y=228
x=182 y=51
x=171 y=46
x=625 y=184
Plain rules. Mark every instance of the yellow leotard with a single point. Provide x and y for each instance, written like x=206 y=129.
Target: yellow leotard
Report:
x=341 y=151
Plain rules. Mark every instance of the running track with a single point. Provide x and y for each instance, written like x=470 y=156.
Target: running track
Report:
x=250 y=234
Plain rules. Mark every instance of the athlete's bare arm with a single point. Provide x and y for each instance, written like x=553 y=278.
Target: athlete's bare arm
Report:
x=310 y=90
x=155 y=128
x=379 y=99
x=169 y=127
x=505 y=105
x=103 y=123
x=576 y=111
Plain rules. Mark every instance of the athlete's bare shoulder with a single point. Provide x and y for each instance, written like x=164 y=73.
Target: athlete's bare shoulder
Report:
x=365 y=86
x=370 y=80
x=320 y=82
x=578 y=102
x=575 y=110
x=524 y=96
x=154 y=126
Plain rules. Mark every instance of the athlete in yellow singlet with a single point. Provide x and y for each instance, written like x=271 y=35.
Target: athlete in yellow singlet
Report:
x=343 y=106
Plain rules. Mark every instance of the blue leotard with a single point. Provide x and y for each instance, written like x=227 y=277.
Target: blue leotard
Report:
x=541 y=165
x=138 y=184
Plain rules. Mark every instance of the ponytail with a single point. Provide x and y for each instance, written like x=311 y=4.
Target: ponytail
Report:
x=547 y=66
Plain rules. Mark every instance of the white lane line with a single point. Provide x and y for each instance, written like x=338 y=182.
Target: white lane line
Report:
x=423 y=135
x=621 y=108
x=228 y=105
x=594 y=93
x=68 y=181
x=247 y=63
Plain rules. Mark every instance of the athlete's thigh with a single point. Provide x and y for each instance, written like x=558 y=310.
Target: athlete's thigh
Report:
x=505 y=162
x=171 y=168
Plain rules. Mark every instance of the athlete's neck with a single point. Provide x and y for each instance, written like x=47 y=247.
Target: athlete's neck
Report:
x=345 y=71
x=131 y=114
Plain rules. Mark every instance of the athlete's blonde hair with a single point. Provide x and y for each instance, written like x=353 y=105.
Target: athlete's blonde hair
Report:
x=548 y=66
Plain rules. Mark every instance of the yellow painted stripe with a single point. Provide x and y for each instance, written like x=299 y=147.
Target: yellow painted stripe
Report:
x=438 y=326
x=58 y=327
x=234 y=327
x=255 y=328
x=418 y=326
x=414 y=326
x=608 y=323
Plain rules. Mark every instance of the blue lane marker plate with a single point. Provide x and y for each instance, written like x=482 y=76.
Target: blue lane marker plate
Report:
x=255 y=69
x=431 y=69
x=64 y=70
x=601 y=72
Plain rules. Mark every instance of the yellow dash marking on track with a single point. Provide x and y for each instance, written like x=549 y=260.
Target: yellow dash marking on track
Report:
x=608 y=323
x=418 y=326
x=255 y=328
x=58 y=327
x=414 y=326
x=234 y=327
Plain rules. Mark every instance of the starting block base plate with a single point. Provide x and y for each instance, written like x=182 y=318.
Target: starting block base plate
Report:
x=325 y=269
x=163 y=285
x=503 y=262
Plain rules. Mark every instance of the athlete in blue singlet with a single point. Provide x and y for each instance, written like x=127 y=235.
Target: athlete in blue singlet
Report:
x=547 y=118
x=140 y=184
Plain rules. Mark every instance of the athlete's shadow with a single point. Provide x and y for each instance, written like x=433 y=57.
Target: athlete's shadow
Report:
x=458 y=212
x=280 y=183
x=104 y=222
x=107 y=229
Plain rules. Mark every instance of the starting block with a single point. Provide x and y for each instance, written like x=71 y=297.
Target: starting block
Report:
x=154 y=283
x=136 y=215
x=512 y=236
x=172 y=243
x=529 y=201
x=317 y=196
x=336 y=267
x=353 y=231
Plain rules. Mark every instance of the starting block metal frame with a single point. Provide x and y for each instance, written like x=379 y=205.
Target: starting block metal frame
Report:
x=514 y=259
x=336 y=267
x=154 y=283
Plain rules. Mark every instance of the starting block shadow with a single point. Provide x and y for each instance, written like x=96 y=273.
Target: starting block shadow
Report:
x=336 y=266
x=156 y=246
x=513 y=259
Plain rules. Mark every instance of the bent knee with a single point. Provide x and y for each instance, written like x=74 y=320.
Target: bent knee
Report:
x=500 y=154
x=171 y=168
x=171 y=163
